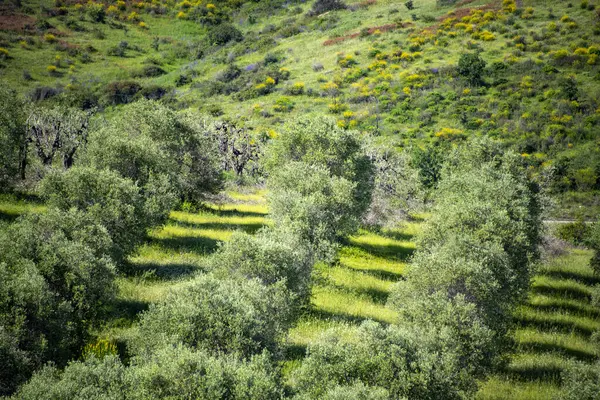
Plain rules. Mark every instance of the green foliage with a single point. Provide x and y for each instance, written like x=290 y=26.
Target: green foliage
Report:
x=574 y=232
x=415 y=364
x=273 y=256
x=164 y=153
x=581 y=381
x=121 y=92
x=172 y=372
x=231 y=316
x=322 y=6
x=477 y=251
x=320 y=142
x=593 y=241
x=56 y=279
x=12 y=137
x=223 y=34
x=321 y=181
x=112 y=201
x=471 y=66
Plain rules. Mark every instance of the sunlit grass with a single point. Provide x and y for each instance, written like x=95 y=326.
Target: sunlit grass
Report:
x=556 y=319
x=499 y=388
x=569 y=344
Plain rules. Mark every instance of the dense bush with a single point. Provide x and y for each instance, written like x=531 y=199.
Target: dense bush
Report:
x=471 y=66
x=272 y=256
x=112 y=201
x=322 y=6
x=581 y=381
x=56 y=280
x=409 y=363
x=121 y=92
x=12 y=137
x=223 y=34
x=172 y=372
x=229 y=315
x=165 y=153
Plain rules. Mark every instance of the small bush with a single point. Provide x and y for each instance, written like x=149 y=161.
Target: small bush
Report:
x=121 y=92
x=283 y=104
x=223 y=34
x=322 y=6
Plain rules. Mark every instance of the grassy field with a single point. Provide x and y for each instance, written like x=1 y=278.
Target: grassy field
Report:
x=553 y=326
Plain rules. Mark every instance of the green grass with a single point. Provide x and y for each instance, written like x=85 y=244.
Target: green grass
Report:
x=554 y=328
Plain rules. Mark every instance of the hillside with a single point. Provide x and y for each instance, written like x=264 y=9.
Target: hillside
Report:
x=375 y=66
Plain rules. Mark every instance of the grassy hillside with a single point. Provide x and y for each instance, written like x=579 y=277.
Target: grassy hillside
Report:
x=553 y=327
x=375 y=66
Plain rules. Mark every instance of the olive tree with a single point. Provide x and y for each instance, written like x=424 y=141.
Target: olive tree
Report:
x=321 y=182
x=12 y=137
x=273 y=256
x=56 y=281
x=114 y=202
x=408 y=362
x=218 y=315
x=149 y=141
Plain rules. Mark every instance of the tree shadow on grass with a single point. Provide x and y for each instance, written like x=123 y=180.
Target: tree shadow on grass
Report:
x=376 y=295
x=575 y=309
x=325 y=315
x=295 y=352
x=376 y=273
x=553 y=325
x=390 y=251
x=395 y=235
x=573 y=293
x=585 y=279
x=248 y=228
x=123 y=312
x=531 y=373
x=8 y=217
x=557 y=348
x=234 y=213
x=190 y=244
x=164 y=271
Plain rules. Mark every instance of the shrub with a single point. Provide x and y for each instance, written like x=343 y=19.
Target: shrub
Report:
x=112 y=201
x=575 y=233
x=322 y=6
x=581 y=381
x=121 y=92
x=219 y=316
x=297 y=88
x=273 y=256
x=471 y=67
x=96 y=11
x=149 y=71
x=56 y=281
x=223 y=34
x=283 y=104
x=409 y=5
x=50 y=38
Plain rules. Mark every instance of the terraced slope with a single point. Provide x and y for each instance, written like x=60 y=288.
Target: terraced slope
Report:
x=553 y=327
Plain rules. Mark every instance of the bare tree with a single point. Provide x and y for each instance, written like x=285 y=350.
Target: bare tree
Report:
x=55 y=132
x=240 y=150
